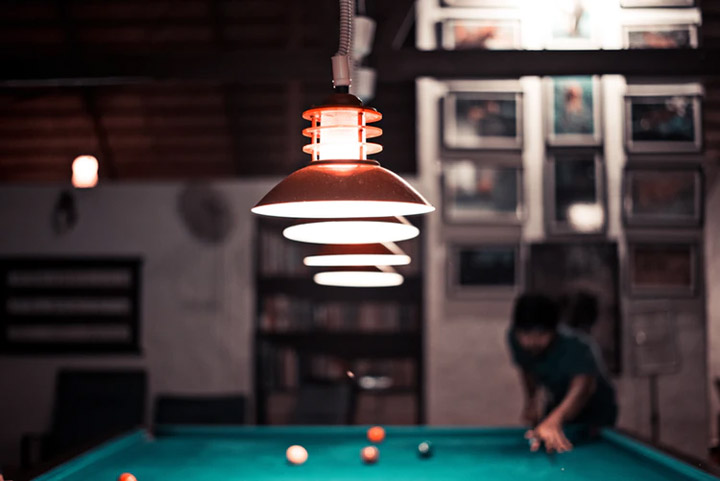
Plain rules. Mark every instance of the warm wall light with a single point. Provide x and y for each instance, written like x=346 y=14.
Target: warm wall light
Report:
x=85 y=172
x=360 y=277
x=387 y=254
x=365 y=231
x=340 y=181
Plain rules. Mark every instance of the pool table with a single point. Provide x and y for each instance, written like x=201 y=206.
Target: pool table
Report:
x=185 y=453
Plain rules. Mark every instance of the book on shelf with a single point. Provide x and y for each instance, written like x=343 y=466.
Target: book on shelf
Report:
x=288 y=369
x=285 y=313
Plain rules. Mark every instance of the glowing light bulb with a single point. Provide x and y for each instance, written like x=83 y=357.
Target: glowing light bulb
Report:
x=340 y=137
x=85 y=172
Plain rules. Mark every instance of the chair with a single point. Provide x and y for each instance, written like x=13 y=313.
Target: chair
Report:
x=171 y=409
x=325 y=402
x=89 y=405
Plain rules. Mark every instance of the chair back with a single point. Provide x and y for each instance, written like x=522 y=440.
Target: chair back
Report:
x=90 y=404
x=172 y=409
x=325 y=402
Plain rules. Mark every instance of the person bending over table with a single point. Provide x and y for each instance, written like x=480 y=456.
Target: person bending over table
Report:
x=567 y=365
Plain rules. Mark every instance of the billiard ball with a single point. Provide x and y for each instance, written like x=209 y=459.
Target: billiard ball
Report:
x=425 y=449
x=126 y=477
x=376 y=434
x=370 y=454
x=296 y=454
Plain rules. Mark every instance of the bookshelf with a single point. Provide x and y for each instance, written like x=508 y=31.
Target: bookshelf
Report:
x=304 y=331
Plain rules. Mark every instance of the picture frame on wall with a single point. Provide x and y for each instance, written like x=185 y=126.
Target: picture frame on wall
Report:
x=571 y=25
x=484 y=270
x=483 y=120
x=476 y=192
x=663 y=118
x=668 y=268
x=574 y=111
x=656 y=3
x=662 y=196
x=660 y=36
x=584 y=278
x=483 y=34
x=575 y=200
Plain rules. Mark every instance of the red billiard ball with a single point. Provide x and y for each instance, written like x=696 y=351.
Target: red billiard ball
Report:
x=370 y=454
x=376 y=434
x=126 y=477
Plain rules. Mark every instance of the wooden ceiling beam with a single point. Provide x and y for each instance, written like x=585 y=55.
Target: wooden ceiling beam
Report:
x=277 y=66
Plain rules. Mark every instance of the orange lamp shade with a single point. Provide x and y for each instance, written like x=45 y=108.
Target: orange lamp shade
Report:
x=340 y=181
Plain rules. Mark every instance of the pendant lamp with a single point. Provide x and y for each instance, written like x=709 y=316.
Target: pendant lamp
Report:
x=360 y=277
x=387 y=254
x=356 y=231
x=340 y=181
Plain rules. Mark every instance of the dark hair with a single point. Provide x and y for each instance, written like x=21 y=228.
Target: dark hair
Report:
x=535 y=312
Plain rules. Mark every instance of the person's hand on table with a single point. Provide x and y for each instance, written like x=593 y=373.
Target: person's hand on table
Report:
x=549 y=432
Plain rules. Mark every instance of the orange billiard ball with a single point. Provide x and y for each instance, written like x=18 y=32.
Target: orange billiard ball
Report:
x=370 y=454
x=126 y=477
x=376 y=434
x=296 y=454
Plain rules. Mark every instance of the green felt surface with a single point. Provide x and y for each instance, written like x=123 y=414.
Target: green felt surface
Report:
x=258 y=453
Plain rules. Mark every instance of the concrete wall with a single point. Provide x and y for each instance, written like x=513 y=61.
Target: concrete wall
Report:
x=197 y=297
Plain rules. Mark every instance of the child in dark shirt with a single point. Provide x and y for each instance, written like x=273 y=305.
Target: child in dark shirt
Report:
x=567 y=365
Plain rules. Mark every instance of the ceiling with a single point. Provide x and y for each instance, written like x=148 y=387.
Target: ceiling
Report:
x=208 y=124
x=179 y=129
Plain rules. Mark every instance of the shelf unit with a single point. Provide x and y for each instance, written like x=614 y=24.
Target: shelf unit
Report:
x=304 y=331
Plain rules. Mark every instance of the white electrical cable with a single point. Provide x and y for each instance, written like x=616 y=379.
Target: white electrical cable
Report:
x=341 y=60
x=347 y=14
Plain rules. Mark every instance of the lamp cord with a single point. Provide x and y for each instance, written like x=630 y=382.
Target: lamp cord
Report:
x=341 y=60
x=347 y=13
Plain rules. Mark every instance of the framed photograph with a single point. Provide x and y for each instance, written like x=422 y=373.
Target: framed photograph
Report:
x=575 y=192
x=662 y=196
x=573 y=105
x=656 y=121
x=571 y=25
x=483 y=120
x=475 y=192
x=660 y=36
x=656 y=3
x=663 y=269
x=584 y=279
x=481 y=271
x=485 y=34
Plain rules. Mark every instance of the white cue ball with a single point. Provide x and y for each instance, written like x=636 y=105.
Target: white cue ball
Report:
x=296 y=454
